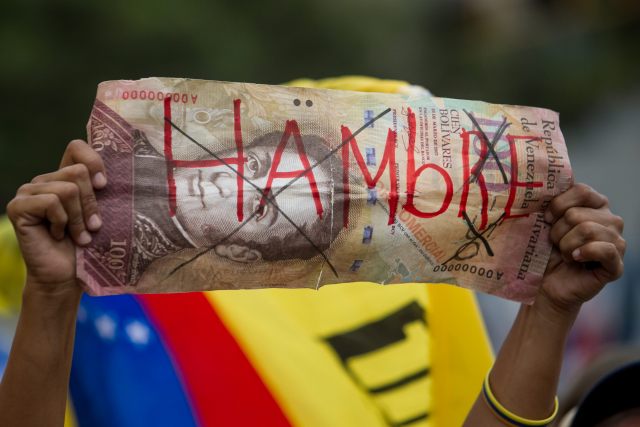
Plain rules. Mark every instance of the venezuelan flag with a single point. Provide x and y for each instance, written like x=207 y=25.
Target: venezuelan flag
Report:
x=346 y=355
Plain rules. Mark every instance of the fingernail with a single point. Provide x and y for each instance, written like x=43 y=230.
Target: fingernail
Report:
x=94 y=222
x=84 y=238
x=576 y=255
x=99 y=180
x=548 y=217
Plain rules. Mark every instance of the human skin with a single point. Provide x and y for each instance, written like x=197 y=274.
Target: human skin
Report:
x=525 y=375
x=50 y=215
x=59 y=209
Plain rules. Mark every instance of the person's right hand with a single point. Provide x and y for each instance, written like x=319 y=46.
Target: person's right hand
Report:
x=53 y=212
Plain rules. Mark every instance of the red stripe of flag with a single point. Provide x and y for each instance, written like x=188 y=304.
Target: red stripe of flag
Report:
x=222 y=384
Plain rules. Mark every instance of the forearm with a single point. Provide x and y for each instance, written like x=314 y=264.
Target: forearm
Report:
x=524 y=377
x=34 y=387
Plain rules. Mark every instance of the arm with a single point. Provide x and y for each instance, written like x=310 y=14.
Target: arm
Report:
x=34 y=386
x=525 y=375
x=49 y=215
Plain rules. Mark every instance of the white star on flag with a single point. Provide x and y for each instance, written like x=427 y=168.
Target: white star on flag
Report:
x=106 y=327
x=138 y=332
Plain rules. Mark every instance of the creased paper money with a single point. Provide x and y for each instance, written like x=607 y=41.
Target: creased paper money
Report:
x=216 y=185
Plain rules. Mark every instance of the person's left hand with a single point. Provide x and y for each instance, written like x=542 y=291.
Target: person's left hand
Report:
x=588 y=248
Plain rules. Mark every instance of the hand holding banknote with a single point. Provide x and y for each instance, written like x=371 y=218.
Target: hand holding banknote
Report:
x=51 y=215
x=587 y=254
x=55 y=211
x=588 y=247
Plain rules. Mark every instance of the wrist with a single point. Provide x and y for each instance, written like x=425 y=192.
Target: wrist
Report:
x=552 y=313
x=64 y=293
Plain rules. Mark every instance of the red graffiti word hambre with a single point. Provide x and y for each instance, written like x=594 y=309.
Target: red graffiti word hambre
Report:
x=292 y=130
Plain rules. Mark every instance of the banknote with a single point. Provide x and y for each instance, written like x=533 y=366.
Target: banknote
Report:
x=218 y=185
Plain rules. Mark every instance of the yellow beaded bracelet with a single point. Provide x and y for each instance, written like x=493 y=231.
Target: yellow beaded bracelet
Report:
x=508 y=416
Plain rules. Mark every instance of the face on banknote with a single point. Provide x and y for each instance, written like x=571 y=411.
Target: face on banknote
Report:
x=217 y=185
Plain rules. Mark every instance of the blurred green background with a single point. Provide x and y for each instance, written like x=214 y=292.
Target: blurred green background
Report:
x=580 y=58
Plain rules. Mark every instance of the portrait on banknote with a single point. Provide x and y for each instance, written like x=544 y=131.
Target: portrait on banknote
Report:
x=207 y=199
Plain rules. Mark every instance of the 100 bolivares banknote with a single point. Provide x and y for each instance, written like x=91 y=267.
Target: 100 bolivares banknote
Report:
x=216 y=185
